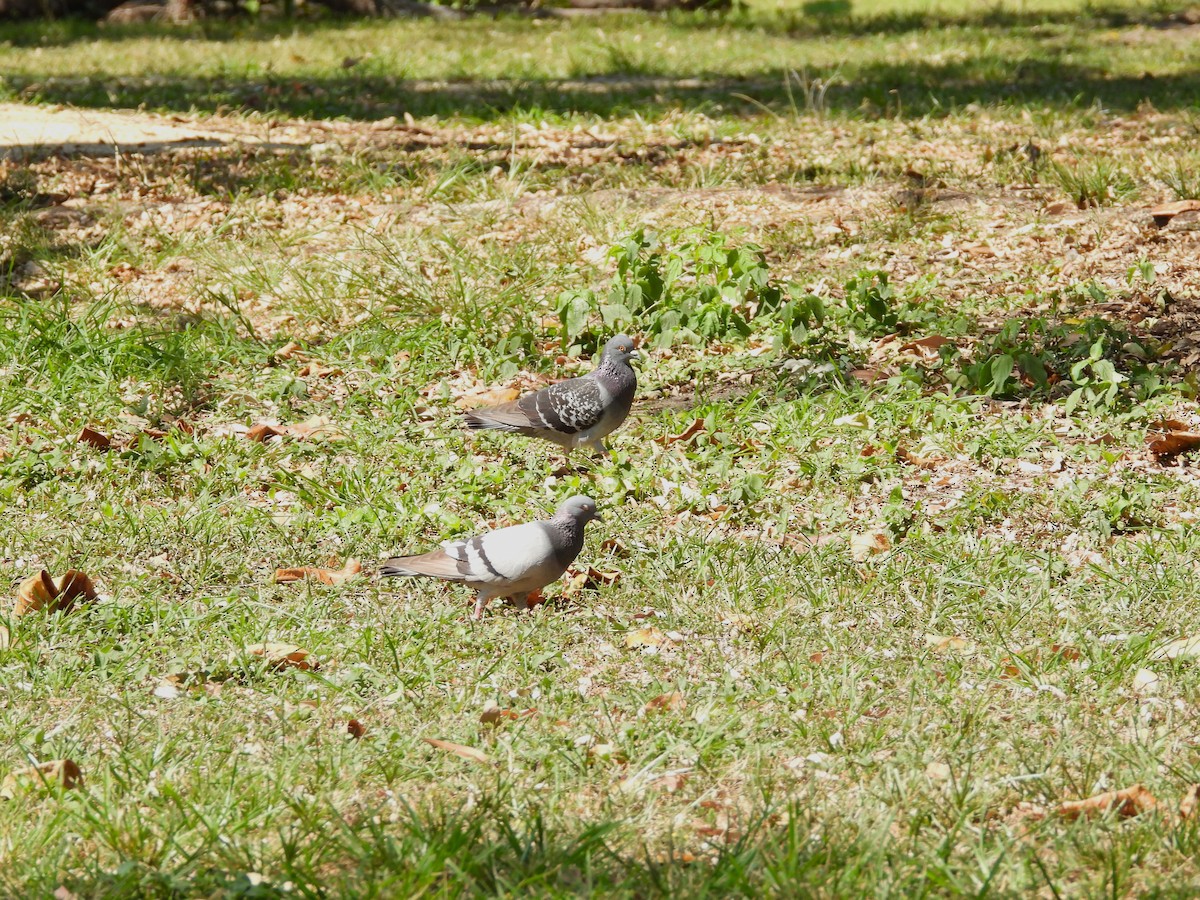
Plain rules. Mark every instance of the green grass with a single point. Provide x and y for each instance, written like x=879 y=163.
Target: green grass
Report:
x=831 y=742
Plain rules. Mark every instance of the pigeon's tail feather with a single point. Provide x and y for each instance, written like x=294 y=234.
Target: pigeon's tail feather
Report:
x=509 y=417
x=435 y=565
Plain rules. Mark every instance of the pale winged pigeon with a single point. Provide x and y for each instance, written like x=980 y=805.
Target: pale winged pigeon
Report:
x=509 y=562
x=574 y=413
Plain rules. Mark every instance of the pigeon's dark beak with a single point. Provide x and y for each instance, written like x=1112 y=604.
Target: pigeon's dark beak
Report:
x=634 y=354
x=596 y=515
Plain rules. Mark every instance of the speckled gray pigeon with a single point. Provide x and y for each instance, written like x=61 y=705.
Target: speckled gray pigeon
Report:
x=574 y=413
x=509 y=562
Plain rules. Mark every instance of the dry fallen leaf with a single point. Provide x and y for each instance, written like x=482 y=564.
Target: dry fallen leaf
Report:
x=1184 y=648
x=460 y=750
x=1065 y=652
x=927 y=347
x=940 y=643
x=1165 y=212
x=63 y=772
x=917 y=460
x=1146 y=682
x=493 y=713
x=723 y=829
x=260 y=433
x=478 y=397
x=166 y=690
x=1127 y=802
x=671 y=781
x=355 y=729
x=94 y=438
x=673 y=701
x=287 y=351
x=1187 y=806
x=316 y=370
x=862 y=546
x=686 y=435
x=1168 y=444
x=853 y=420
x=645 y=637
x=325 y=576
x=318 y=428
x=866 y=376
x=283 y=656
x=40 y=591
x=591 y=579
x=937 y=771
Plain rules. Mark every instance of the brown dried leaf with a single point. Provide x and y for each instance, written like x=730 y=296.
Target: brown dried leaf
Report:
x=356 y=729
x=684 y=436
x=1127 y=802
x=671 y=782
x=493 y=713
x=1066 y=652
x=940 y=643
x=486 y=396
x=591 y=579
x=316 y=370
x=918 y=461
x=40 y=591
x=318 y=428
x=937 y=771
x=73 y=585
x=63 y=772
x=1025 y=812
x=926 y=346
x=867 y=376
x=287 y=351
x=723 y=829
x=94 y=438
x=1170 y=444
x=460 y=750
x=261 y=432
x=283 y=656
x=862 y=546
x=331 y=577
x=1165 y=212
x=1187 y=806
x=645 y=637
x=673 y=701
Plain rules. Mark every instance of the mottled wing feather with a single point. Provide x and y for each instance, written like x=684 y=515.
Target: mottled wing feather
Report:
x=568 y=407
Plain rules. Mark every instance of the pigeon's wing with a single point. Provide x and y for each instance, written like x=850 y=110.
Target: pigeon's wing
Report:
x=568 y=407
x=497 y=559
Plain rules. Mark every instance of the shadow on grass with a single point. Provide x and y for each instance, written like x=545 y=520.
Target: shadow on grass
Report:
x=884 y=89
x=489 y=852
x=812 y=18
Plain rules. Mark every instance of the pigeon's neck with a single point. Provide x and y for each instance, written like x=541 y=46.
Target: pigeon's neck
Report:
x=617 y=373
x=569 y=538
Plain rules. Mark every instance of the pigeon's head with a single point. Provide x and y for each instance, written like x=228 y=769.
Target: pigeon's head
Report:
x=581 y=509
x=620 y=349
